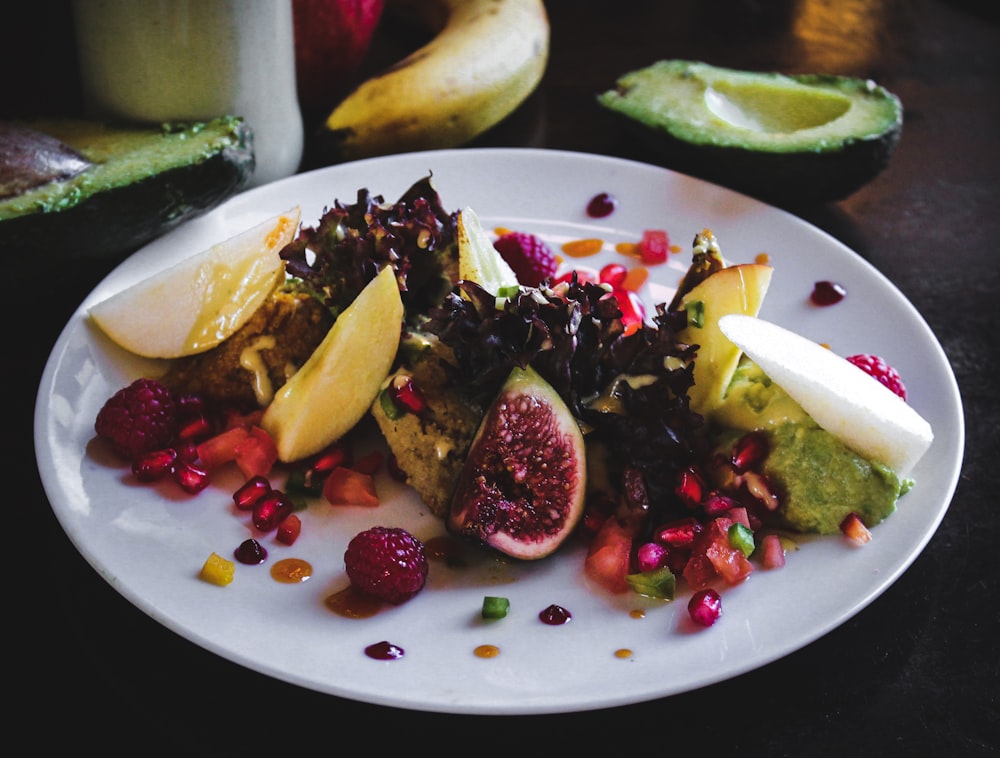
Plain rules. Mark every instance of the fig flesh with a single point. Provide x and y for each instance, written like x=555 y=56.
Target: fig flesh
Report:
x=521 y=489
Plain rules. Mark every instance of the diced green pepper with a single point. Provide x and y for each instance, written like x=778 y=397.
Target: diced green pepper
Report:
x=659 y=582
x=741 y=538
x=495 y=607
x=389 y=407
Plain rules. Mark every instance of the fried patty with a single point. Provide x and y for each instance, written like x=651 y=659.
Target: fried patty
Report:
x=245 y=370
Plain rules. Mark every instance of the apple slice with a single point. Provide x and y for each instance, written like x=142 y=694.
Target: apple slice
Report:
x=736 y=289
x=859 y=410
x=332 y=390
x=200 y=301
x=478 y=260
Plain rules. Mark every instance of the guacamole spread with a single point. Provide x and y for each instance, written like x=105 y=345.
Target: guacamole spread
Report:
x=818 y=480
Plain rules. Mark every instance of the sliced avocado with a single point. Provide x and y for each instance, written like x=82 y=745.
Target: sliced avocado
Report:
x=134 y=183
x=805 y=137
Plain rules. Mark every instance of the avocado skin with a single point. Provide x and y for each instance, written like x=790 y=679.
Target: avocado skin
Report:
x=180 y=171
x=804 y=174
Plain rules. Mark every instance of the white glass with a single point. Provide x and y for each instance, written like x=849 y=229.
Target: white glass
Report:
x=162 y=60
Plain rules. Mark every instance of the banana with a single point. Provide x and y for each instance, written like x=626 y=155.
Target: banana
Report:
x=486 y=58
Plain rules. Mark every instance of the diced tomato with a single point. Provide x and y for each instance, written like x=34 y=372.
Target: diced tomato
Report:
x=221 y=448
x=854 y=529
x=739 y=515
x=772 y=552
x=699 y=571
x=345 y=486
x=256 y=454
x=654 y=246
x=289 y=529
x=729 y=561
x=607 y=560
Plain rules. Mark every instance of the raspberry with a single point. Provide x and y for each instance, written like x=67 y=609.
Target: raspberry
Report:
x=531 y=259
x=138 y=419
x=878 y=368
x=386 y=562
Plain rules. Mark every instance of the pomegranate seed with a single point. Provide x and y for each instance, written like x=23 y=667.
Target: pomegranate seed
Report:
x=250 y=492
x=192 y=479
x=716 y=504
x=271 y=509
x=690 y=487
x=750 y=449
x=194 y=429
x=613 y=274
x=651 y=556
x=680 y=533
x=407 y=395
x=329 y=459
x=187 y=451
x=705 y=607
x=250 y=552
x=154 y=466
x=827 y=293
x=601 y=205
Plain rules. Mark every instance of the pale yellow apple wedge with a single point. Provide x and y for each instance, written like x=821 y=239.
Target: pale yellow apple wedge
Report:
x=478 y=260
x=855 y=408
x=332 y=390
x=736 y=289
x=202 y=300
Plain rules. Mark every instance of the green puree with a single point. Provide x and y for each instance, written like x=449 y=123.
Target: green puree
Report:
x=818 y=480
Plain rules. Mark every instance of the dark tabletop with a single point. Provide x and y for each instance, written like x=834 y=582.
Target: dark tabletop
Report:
x=917 y=672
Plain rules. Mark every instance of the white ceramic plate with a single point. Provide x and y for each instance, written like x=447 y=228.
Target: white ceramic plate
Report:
x=149 y=544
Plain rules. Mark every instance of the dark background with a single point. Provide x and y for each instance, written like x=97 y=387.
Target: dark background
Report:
x=916 y=673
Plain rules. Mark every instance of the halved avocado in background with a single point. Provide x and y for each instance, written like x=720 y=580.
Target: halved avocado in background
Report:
x=98 y=190
x=803 y=137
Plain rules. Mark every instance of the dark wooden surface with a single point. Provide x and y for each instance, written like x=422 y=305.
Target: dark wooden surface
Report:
x=915 y=673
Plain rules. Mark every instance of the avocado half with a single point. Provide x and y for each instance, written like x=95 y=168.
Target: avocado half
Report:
x=103 y=190
x=805 y=137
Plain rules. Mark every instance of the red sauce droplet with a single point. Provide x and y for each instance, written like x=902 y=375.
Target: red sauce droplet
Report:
x=555 y=615
x=250 y=552
x=827 y=293
x=384 y=651
x=601 y=205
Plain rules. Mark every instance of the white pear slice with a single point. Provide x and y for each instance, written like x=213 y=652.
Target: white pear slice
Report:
x=478 y=260
x=200 y=301
x=859 y=410
x=332 y=390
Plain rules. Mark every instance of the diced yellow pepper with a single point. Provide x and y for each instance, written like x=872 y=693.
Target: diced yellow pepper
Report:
x=217 y=570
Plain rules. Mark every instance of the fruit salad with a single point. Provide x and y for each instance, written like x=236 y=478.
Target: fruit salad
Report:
x=527 y=400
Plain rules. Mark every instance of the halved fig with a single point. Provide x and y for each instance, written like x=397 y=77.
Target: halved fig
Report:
x=522 y=487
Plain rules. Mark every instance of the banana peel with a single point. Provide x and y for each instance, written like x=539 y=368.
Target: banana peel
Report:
x=485 y=58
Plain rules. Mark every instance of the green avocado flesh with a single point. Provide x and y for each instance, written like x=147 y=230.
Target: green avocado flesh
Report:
x=819 y=480
x=141 y=182
x=808 y=136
